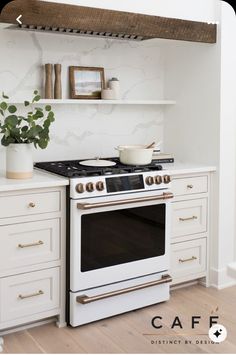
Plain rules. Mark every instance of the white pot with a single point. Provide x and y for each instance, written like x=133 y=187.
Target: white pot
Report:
x=19 y=161
x=135 y=154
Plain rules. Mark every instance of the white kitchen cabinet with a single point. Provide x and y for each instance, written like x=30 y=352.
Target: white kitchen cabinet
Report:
x=188 y=258
x=189 y=217
x=190 y=185
x=32 y=256
x=29 y=243
x=190 y=227
x=29 y=204
x=29 y=294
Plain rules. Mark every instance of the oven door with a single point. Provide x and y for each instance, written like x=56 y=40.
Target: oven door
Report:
x=115 y=239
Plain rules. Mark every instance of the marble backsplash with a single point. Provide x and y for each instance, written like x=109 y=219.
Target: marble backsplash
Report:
x=88 y=130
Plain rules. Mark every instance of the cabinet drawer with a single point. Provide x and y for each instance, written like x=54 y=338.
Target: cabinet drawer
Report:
x=29 y=294
x=29 y=243
x=188 y=258
x=188 y=186
x=22 y=205
x=189 y=217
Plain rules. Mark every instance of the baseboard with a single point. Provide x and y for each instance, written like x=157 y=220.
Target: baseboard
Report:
x=27 y=326
x=232 y=269
x=221 y=278
x=183 y=284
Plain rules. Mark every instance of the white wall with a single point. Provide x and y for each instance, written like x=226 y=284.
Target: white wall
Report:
x=88 y=130
x=202 y=127
x=227 y=187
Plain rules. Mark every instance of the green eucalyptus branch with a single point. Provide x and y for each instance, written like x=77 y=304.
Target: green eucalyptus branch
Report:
x=33 y=127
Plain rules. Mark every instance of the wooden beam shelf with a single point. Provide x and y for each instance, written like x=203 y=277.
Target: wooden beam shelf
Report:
x=81 y=20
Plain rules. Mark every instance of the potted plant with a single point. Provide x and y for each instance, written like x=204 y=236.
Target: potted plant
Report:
x=21 y=132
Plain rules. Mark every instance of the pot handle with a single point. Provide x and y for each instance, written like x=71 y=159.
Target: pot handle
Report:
x=119 y=149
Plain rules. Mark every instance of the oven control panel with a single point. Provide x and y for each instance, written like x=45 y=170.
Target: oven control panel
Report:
x=116 y=184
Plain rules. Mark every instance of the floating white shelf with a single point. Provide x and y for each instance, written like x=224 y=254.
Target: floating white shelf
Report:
x=102 y=102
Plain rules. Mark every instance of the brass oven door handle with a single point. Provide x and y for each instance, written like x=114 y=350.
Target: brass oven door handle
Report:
x=188 y=218
x=190 y=259
x=39 y=293
x=88 y=206
x=83 y=299
x=40 y=242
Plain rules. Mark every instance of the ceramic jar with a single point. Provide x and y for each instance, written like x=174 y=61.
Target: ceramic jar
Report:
x=114 y=85
x=108 y=94
x=19 y=161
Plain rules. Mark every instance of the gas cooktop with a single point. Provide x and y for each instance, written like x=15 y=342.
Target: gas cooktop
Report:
x=73 y=168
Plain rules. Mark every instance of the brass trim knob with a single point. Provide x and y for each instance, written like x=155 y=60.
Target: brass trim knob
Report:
x=158 y=179
x=100 y=186
x=166 y=179
x=190 y=186
x=149 y=180
x=89 y=187
x=79 y=188
x=32 y=204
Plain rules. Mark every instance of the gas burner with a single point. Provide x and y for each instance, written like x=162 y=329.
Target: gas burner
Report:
x=73 y=169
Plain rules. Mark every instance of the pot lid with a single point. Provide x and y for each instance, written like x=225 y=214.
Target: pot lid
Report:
x=97 y=162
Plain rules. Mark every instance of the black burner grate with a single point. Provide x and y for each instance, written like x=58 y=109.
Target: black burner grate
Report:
x=73 y=169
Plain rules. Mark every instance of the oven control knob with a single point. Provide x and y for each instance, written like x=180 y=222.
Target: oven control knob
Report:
x=166 y=179
x=89 y=187
x=100 y=185
x=79 y=188
x=158 y=179
x=149 y=180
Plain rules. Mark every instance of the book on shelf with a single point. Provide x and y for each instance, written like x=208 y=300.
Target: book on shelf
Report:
x=163 y=157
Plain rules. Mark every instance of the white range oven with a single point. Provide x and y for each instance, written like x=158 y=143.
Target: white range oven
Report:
x=119 y=242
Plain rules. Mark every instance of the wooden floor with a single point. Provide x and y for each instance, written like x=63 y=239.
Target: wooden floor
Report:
x=132 y=332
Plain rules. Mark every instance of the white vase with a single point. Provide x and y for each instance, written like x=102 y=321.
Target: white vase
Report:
x=19 y=161
x=114 y=85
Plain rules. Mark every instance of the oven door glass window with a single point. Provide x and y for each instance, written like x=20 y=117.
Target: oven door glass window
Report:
x=122 y=236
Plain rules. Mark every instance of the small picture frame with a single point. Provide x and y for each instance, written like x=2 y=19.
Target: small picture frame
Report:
x=86 y=82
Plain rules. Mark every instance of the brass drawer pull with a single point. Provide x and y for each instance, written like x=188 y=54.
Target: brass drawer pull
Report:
x=188 y=218
x=39 y=293
x=83 y=299
x=40 y=242
x=190 y=259
x=32 y=205
x=190 y=186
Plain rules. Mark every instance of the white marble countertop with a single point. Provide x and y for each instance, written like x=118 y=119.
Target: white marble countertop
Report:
x=40 y=179
x=43 y=179
x=179 y=168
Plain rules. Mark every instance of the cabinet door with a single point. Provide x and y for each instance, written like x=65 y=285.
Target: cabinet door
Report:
x=189 y=217
x=188 y=258
x=29 y=204
x=28 y=294
x=29 y=243
x=188 y=186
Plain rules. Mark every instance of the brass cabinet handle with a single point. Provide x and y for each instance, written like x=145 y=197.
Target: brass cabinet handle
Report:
x=188 y=218
x=32 y=204
x=83 y=299
x=190 y=259
x=88 y=206
x=40 y=242
x=190 y=186
x=39 y=293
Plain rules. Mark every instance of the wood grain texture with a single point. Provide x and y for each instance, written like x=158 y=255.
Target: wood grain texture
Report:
x=57 y=83
x=48 y=81
x=130 y=332
x=70 y=17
